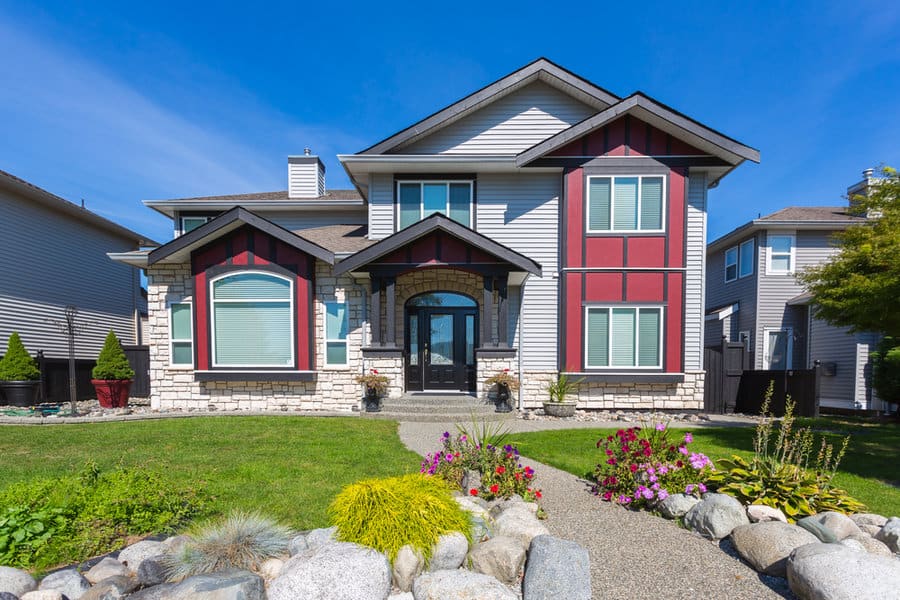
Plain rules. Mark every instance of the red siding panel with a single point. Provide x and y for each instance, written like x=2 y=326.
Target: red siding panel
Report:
x=646 y=251
x=644 y=287
x=239 y=248
x=574 y=332
x=676 y=218
x=604 y=251
x=674 y=323
x=603 y=287
x=616 y=138
x=201 y=322
x=575 y=226
x=637 y=137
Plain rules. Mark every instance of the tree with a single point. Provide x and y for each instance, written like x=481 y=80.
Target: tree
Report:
x=859 y=287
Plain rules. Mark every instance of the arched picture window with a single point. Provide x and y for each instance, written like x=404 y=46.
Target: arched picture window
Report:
x=252 y=320
x=442 y=300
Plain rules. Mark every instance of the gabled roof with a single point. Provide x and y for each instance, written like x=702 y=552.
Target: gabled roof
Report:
x=656 y=114
x=436 y=222
x=541 y=69
x=37 y=194
x=179 y=249
x=330 y=200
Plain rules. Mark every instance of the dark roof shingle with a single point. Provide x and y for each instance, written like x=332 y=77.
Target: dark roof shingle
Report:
x=279 y=196
x=812 y=213
x=339 y=239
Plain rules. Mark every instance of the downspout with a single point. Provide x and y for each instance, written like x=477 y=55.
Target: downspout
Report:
x=521 y=401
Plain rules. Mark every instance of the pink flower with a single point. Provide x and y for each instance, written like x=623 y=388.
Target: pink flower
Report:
x=607 y=496
x=633 y=467
x=611 y=461
x=688 y=438
x=683 y=450
x=660 y=427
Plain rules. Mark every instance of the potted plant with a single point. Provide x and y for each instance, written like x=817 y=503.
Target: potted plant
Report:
x=559 y=390
x=505 y=384
x=19 y=374
x=376 y=386
x=112 y=377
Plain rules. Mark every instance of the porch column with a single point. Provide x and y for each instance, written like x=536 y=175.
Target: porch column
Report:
x=503 y=311
x=390 y=335
x=487 y=313
x=376 y=311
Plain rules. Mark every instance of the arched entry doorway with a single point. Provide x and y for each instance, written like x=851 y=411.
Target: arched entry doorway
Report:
x=440 y=341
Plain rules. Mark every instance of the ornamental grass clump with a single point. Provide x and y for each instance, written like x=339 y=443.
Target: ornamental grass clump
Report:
x=387 y=514
x=239 y=541
x=785 y=475
x=643 y=466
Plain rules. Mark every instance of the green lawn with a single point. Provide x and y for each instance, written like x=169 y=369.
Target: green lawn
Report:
x=870 y=471
x=287 y=467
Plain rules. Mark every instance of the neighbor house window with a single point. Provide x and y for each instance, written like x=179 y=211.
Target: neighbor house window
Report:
x=252 y=320
x=192 y=223
x=624 y=337
x=632 y=203
x=181 y=335
x=419 y=199
x=777 y=350
x=731 y=264
x=781 y=254
x=336 y=327
x=747 y=256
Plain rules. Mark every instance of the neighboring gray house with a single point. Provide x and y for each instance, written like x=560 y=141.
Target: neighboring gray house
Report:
x=753 y=295
x=54 y=254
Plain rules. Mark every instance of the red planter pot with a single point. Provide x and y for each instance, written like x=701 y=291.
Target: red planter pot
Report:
x=112 y=393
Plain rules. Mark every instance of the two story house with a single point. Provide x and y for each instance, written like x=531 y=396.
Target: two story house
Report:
x=541 y=224
x=753 y=295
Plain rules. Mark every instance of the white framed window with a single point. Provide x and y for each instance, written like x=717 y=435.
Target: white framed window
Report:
x=781 y=254
x=626 y=203
x=747 y=260
x=778 y=348
x=181 y=335
x=623 y=336
x=192 y=223
x=744 y=338
x=252 y=320
x=419 y=199
x=336 y=329
x=731 y=264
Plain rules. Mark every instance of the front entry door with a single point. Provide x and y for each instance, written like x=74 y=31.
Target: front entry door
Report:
x=440 y=348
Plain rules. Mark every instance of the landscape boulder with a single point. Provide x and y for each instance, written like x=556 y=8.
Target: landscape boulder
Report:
x=460 y=584
x=760 y=512
x=152 y=571
x=43 y=595
x=233 y=584
x=555 y=569
x=336 y=571
x=839 y=524
x=500 y=557
x=156 y=592
x=16 y=581
x=815 y=527
x=319 y=537
x=135 y=554
x=890 y=534
x=677 y=505
x=716 y=516
x=111 y=588
x=869 y=544
x=519 y=522
x=449 y=552
x=868 y=519
x=408 y=564
x=834 y=572
x=297 y=544
x=106 y=568
x=767 y=545
x=68 y=582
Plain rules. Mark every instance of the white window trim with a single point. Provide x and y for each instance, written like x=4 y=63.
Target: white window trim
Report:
x=205 y=218
x=770 y=253
x=212 y=320
x=790 y=346
x=741 y=251
x=737 y=261
x=172 y=340
x=612 y=204
x=421 y=183
x=610 y=307
x=327 y=340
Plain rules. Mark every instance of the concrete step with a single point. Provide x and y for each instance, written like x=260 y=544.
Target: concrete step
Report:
x=437 y=408
x=463 y=418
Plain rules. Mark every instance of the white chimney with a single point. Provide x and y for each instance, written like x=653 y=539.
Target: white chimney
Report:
x=306 y=176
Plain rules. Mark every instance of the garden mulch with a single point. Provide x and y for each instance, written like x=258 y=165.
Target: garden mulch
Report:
x=633 y=554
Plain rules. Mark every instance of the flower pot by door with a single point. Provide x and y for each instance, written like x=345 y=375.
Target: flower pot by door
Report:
x=19 y=393
x=503 y=394
x=373 y=403
x=112 y=393
x=560 y=409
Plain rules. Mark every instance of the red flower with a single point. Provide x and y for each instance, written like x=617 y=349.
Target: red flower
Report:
x=625 y=448
x=611 y=461
x=607 y=496
x=495 y=488
x=473 y=492
x=375 y=371
x=518 y=477
x=679 y=464
x=647 y=452
x=609 y=452
x=501 y=470
x=537 y=494
x=633 y=467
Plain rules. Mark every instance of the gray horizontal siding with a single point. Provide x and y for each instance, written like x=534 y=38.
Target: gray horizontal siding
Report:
x=381 y=205
x=719 y=293
x=695 y=261
x=295 y=221
x=836 y=345
x=507 y=126
x=49 y=261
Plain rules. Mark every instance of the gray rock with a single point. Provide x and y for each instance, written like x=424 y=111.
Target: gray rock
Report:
x=500 y=557
x=470 y=505
x=336 y=571
x=42 y=595
x=520 y=523
x=319 y=537
x=852 y=544
x=812 y=525
x=16 y=581
x=870 y=544
x=402 y=596
x=868 y=519
x=834 y=572
x=480 y=529
x=767 y=545
x=677 y=505
x=106 y=568
x=556 y=569
x=152 y=571
x=111 y=588
x=407 y=566
x=459 y=584
x=69 y=582
x=8 y=596
x=716 y=516
x=271 y=568
x=157 y=592
x=870 y=529
x=297 y=544
x=760 y=512
x=839 y=524
x=890 y=534
x=135 y=554
x=233 y=584
x=449 y=552
x=174 y=544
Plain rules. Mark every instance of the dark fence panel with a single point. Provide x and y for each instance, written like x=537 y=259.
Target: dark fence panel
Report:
x=800 y=384
x=55 y=376
x=139 y=359
x=724 y=366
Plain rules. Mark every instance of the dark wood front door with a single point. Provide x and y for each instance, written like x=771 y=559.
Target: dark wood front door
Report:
x=440 y=348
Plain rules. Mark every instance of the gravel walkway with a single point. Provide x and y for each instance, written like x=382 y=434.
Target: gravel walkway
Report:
x=633 y=554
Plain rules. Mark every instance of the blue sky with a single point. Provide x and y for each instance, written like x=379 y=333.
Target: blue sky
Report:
x=120 y=102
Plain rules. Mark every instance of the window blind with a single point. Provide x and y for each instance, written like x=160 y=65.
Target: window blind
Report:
x=651 y=203
x=598 y=337
x=599 y=203
x=625 y=193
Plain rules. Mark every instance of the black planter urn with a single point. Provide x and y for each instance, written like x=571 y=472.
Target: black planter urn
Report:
x=373 y=402
x=19 y=393
x=503 y=405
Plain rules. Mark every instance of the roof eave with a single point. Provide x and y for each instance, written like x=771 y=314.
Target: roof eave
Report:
x=762 y=225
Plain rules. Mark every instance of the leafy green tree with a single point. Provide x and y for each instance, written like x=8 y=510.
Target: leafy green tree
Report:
x=17 y=364
x=112 y=362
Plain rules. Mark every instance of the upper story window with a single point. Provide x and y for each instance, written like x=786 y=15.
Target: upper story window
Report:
x=192 y=223
x=623 y=337
x=252 y=320
x=731 y=260
x=739 y=261
x=626 y=203
x=747 y=259
x=781 y=254
x=419 y=199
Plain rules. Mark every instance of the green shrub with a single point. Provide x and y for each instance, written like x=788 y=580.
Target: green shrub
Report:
x=387 y=514
x=112 y=362
x=563 y=387
x=886 y=370
x=25 y=533
x=17 y=364
x=95 y=512
x=239 y=541
x=782 y=475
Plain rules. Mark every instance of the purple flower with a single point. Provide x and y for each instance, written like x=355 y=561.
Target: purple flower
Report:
x=660 y=426
x=647 y=494
x=702 y=488
x=698 y=461
x=653 y=478
x=662 y=494
x=689 y=489
x=663 y=469
x=688 y=438
x=446 y=434
x=683 y=450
